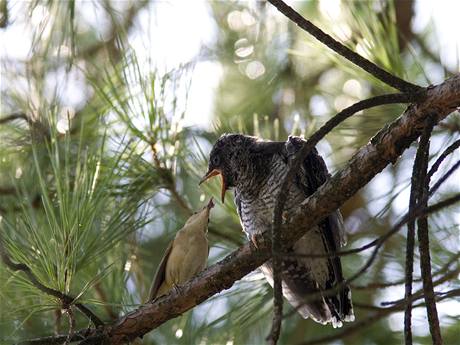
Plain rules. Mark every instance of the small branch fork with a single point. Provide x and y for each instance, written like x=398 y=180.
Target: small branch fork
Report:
x=66 y=300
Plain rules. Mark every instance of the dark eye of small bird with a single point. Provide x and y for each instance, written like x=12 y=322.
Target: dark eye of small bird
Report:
x=215 y=160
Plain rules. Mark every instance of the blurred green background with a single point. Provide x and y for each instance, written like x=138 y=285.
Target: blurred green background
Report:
x=109 y=110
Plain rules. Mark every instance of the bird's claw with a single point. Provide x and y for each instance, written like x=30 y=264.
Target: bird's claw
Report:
x=257 y=242
x=176 y=288
x=285 y=216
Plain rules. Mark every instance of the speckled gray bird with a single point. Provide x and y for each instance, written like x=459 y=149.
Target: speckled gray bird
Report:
x=255 y=170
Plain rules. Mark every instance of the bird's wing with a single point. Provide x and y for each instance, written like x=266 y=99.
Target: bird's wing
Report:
x=160 y=273
x=310 y=177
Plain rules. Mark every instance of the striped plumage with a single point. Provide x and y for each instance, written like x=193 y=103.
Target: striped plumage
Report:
x=256 y=169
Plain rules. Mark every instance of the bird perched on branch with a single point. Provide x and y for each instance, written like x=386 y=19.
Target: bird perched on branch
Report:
x=255 y=169
x=185 y=256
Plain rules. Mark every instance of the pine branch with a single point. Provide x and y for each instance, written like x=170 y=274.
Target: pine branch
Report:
x=370 y=160
x=344 y=51
x=66 y=300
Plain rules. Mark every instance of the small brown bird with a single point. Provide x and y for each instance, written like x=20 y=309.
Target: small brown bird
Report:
x=185 y=256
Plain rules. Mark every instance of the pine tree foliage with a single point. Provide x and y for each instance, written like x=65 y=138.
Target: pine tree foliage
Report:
x=98 y=168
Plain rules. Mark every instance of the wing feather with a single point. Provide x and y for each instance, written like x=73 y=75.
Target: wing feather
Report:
x=160 y=274
x=310 y=177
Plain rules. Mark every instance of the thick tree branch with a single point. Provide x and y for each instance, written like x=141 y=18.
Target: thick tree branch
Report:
x=383 y=149
x=344 y=51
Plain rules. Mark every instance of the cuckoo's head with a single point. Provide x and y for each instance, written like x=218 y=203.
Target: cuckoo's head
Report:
x=228 y=156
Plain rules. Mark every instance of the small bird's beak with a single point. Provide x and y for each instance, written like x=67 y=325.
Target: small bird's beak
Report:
x=212 y=173
x=210 y=204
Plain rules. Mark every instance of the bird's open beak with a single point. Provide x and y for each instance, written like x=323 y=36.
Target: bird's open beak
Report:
x=212 y=173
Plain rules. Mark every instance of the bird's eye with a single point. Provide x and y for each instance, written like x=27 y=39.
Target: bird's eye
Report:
x=215 y=160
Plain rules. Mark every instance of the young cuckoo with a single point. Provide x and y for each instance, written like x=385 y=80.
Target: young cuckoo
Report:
x=255 y=169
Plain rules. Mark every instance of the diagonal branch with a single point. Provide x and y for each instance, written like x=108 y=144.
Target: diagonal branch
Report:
x=383 y=285
x=444 y=177
x=370 y=160
x=455 y=145
x=344 y=51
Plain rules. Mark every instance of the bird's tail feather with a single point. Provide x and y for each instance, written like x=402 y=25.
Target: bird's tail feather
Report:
x=334 y=309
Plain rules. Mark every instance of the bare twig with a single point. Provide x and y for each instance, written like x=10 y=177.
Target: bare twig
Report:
x=344 y=51
x=446 y=277
x=455 y=145
x=417 y=183
x=424 y=244
x=65 y=299
x=417 y=212
x=444 y=177
x=384 y=285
